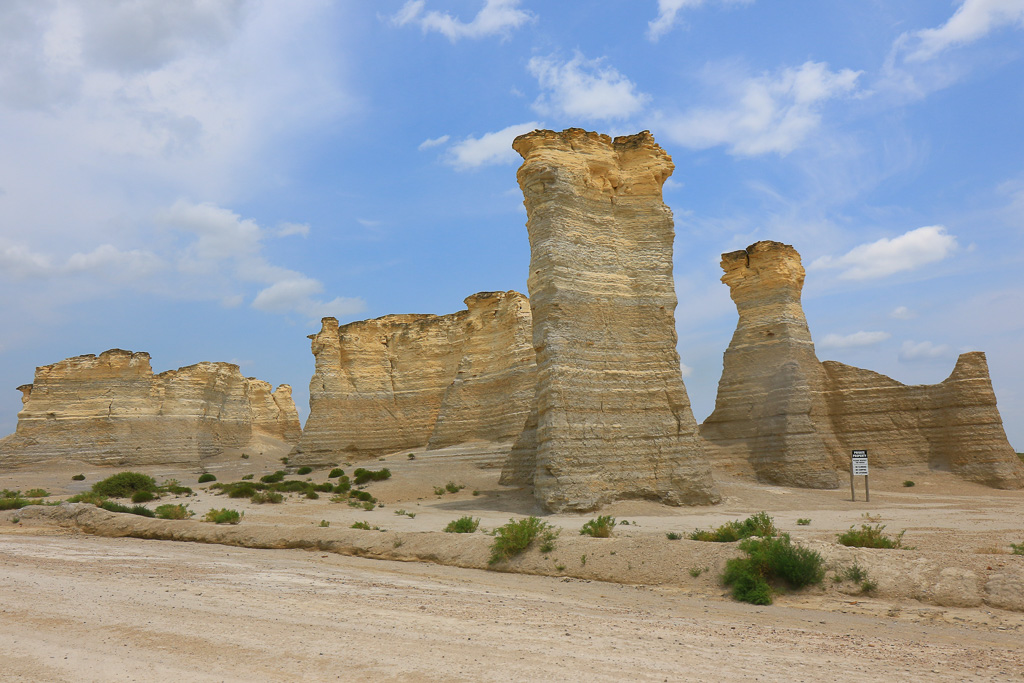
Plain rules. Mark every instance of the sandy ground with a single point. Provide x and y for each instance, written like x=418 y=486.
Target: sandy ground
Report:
x=80 y=607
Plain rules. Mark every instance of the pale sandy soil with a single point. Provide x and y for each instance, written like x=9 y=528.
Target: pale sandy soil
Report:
x=82 y=608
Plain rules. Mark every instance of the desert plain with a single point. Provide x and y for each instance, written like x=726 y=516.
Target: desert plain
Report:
x=90 y=595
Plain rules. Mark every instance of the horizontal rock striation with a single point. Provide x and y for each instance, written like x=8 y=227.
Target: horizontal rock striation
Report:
x=613 y=420
x=793 y=420
x=409 y=381
x=112 y=410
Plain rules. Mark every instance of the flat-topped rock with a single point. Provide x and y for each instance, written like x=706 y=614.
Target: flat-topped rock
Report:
x=112 y=410
x=612 y=419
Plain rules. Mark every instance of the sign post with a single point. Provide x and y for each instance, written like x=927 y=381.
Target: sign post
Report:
x=858 y=468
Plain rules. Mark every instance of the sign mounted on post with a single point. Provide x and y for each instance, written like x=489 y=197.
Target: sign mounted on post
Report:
x=859 y=468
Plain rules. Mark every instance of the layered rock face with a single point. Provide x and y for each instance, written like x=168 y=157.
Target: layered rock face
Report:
x=613 y=420
x=793 y=420
x=771 y=398
x=112 y=410
x=408 y=381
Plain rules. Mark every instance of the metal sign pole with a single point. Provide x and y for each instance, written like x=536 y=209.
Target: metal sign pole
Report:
x=853 y=492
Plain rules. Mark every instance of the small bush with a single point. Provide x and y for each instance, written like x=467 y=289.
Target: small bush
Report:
x=172 y=486
x=37 y=493
x=241 y=489
x=516 y=536
x=305 y=469
x=769 y=559
x=367 y=505
x=908 y=483
x=438 y=490
x=1017 y=548
x=363 y=476
x=141 y=510
x=759 y=524
x=673 y=536
x=246 y=477
x=697 y=571
x=336 y=472
x=463 y=525
x=143 y=496
x=363 y=496
x=15 y=503
x=452 y=487
x=205 y=477
x=224 y=516
x=410 y=515
x=324 y=523
x=312 y=495
x=262 y=497
x=172 y=511
x=360 y=525
x=78 y=477
x=87 y=497
x=273 y=478
x=870 y=537
x=124 y=484
x=854 y=573
x=412 y=456
x=803 y=521
x=600 y=527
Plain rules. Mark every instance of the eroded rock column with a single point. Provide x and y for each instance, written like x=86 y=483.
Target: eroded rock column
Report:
x=613 y=417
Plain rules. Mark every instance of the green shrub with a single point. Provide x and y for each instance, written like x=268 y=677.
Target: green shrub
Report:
x=326 y=487
x=172 y=511
x=759 y=524
x=1017 y=548
x=769 y=559
x=241 y=489
x=697 y=571
x=452 y=487
x=363 y=496
x=803 y=521
x=7 y=493
x=367 y=505
x=463 y=525
x=360 y=525
x=87 y=497
x=247 y=477
x=172 y=486
x=141 y=510
x=673 y=536
x=261 y=497
x=336 y=472
x=312 y=495
x=870 y=537
x=438 y=490
x=412 y=456
x=363 y=476
x=305 y=469
x=343 y=484
x=78 y=477
x=37 y=493
x=124 y=484
x=600 y=527
x=410 y=515
x=143 y=496
x=324 y=523
x=15 y=503
x=516 y=536
x=908 y=483
x=205 y=477
x=224 y=516
x=857 y=574
x=273 y=478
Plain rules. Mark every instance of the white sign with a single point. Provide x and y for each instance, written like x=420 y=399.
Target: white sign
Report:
x=859 y=463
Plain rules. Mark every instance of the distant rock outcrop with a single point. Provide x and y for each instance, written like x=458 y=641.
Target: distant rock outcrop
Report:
x=793 y=420
x=612 y=417
x=409 y=381
x=112 y=410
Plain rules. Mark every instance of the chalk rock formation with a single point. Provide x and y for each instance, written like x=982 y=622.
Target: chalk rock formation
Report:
x=408 y=381
x=771 y=396
x=793 y=420
x=613 y=420
x=112 y=410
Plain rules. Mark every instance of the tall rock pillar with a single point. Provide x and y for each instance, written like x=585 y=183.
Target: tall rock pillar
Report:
x=613 y=418
x=771 y=409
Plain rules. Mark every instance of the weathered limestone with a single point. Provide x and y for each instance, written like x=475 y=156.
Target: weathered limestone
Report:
x=408 y=381
x=771 y=396
x=613 y=420
x=111 y=409
x=793 y=420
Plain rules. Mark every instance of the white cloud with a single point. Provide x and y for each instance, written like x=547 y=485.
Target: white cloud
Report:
x=849 y=341
x=433 y=142
x=19 y=262
x=490 y=148
x=288 y=229
x=884 y=257
x=106 y=261
x=768 y=113
x=582 y=88
x=298 y=295
x=973 y=20
x=902 y=313
x=913 y=351
x=685 y=369
x=496 y=17
x=668 y=9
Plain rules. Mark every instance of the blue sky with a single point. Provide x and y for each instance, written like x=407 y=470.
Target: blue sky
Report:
x=205 y=179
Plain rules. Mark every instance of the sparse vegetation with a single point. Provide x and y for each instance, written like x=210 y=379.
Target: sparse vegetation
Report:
x=803 y=521
x=1017 y=548
x=697 y=571
x=673 y=536
x=78 y=477
x=172 y=511
x=143 y=496
x=452 y=487
x=516 y=536
x=476 y=493
x=363 y=476
x=438 y=490
x=140 y=510
x=857 y=574
x=412 y=456
x=205 y=477
x=759 y=524
x=124 y=484
x=87 y=497
x=871 y=537
x=247 y=477
x=305 y=469
x=583 y=560
x=599 y=527
x=360 y=525
x=768 y=559
x=908 y=484
x=15 y=503
x=335 y=473
x=410 y=515
x=324 y=523
x=37 y=493
x=463 y=525
x=224 y=516
x=274 y=478
x=264 y=497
